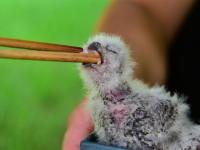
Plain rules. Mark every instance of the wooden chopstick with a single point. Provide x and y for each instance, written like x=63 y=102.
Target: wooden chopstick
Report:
x=46 y=52
x=92 y=57
x=7 y=42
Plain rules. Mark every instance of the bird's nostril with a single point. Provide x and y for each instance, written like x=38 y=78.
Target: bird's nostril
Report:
x=94 y=46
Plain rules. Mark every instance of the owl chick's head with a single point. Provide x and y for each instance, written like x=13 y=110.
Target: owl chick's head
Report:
x=115 y=58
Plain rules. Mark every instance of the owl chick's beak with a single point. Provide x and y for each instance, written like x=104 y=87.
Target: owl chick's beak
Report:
x=95 y=46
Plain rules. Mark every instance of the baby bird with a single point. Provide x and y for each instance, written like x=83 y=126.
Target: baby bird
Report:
x=126 y=112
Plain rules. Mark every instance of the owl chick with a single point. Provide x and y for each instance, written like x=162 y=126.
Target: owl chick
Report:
x=126 y=112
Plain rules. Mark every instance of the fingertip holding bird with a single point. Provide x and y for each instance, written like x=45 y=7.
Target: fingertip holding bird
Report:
x=79 y=127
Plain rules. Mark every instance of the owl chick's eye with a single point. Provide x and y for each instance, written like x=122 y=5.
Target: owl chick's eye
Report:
x=110 y=50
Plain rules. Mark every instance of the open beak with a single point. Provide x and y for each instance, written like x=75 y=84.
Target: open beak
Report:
x=94 y=47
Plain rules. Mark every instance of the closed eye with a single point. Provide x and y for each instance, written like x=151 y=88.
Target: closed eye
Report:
x=110 y=50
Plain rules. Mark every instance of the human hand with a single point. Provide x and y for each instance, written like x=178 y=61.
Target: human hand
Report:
x=79 y=127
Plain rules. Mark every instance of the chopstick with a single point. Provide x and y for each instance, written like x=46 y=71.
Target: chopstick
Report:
x=7 y=42
x=46 y=52
x=50 y=56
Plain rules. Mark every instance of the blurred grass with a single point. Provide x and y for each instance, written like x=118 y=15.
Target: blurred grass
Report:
x=36 y=97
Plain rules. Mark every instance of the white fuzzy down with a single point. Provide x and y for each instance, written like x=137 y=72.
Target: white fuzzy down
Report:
x=186 y=135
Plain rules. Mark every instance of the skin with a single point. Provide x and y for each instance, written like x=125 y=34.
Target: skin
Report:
x=81 y=122
x=149 y=32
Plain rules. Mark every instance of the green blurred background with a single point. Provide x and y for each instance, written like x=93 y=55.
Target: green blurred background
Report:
x=36 y=97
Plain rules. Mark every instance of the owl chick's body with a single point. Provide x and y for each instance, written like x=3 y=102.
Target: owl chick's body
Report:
x=129 y=114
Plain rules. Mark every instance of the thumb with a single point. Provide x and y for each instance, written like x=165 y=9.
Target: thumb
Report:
x=80 y=126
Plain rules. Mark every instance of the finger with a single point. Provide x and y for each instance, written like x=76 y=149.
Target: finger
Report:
x=80 y=126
